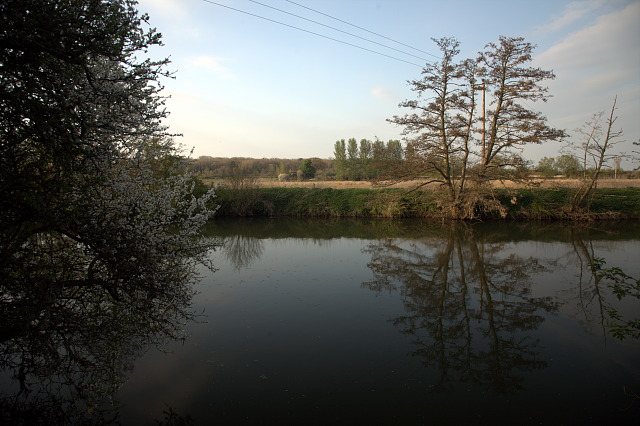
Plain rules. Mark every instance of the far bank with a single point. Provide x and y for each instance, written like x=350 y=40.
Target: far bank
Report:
x=506 y=203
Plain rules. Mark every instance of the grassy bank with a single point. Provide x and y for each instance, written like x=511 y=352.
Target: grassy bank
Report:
x=518 y=204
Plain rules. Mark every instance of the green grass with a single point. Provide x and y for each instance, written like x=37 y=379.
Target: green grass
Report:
x=531 y=204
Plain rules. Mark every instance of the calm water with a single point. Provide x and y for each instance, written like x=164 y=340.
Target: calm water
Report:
x=396 y=322
x=401 y=322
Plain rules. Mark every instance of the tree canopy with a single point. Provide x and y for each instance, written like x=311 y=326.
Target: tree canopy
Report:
x=307 y=169
x=97 y=215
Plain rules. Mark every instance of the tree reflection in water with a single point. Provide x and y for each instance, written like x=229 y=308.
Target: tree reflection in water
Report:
x=468 y=305
x=66 y=365
x=590 y=297
x=595 y=296
x=241 y=251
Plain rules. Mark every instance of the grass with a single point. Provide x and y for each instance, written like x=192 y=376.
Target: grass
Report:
x=519 y=203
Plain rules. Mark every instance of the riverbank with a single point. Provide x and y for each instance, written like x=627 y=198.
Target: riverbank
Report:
x=512 y=204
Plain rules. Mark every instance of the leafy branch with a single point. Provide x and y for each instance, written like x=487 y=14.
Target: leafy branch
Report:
x=622 y=285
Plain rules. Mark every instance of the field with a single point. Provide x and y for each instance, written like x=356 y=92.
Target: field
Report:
x=542 y=183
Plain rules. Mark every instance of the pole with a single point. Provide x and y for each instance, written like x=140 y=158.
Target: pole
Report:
x=484 y=121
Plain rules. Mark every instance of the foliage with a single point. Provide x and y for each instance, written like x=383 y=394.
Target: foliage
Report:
x=565 y=164
x=222 y=168
x=98 y=223
x=369 y=160
x=240 y=190
x=547 y=166
x=529 y=204
x=623 y=286
x=308 y=169
x=568 y=165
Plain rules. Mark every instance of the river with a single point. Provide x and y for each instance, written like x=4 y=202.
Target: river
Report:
x=401 y=322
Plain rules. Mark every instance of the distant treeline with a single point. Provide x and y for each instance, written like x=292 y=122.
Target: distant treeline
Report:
x=364 y=160
x=367 y=160
x=352 y=161
x=219 y=168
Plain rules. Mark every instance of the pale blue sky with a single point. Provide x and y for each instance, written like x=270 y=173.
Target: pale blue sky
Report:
x=249 y=87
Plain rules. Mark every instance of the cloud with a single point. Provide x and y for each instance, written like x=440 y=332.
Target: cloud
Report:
x=573 y=12
x=383 y=93
x=610 y=43
x=593 y=65
x=214 y=64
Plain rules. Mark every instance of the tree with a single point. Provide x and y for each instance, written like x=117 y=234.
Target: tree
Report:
x=511 y=123
x=281 y=169
x=366 y=155
x=340 y=158
x=353 y=169
x=93 y=221
x=308 y=169
x=568 y=165
x=445 y=128
x=444 y=124
x=394 y=150
x=597 y=140
x=547 y=166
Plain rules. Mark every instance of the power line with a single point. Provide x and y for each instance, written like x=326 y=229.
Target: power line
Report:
x=360 y=28
x=339 y=30
x=311 y=32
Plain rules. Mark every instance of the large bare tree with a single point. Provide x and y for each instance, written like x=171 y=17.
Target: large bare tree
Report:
x=453 y=140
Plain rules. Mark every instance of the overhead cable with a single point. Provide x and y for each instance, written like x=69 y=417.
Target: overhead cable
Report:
x=360 y=28
x=339 y=30
x=314 y=33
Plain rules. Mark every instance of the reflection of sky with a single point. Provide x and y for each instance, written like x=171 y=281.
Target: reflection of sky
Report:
x=298 y=325
x=303 y=310
x=293 y=264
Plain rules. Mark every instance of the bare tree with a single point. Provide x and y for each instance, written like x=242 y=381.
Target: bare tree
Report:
x=598 y=138
x=511 y=122
x=444 y=146
x=444 y=125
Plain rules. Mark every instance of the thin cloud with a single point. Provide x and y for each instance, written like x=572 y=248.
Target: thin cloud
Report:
x=383 y=93
x=573 y=12
x=213 y=64
x=610 y=42
x=593 y=65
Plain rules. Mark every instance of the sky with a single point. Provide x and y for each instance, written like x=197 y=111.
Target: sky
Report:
x=246 y=86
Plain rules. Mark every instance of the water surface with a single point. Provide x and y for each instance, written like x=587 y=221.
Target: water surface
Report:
x=401 y=322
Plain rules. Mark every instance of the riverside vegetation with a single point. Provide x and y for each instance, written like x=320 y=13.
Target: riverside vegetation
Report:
x=513 y=204
x=244 y=189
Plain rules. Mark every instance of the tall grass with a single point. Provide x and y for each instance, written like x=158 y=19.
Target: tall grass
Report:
x=517 y=204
